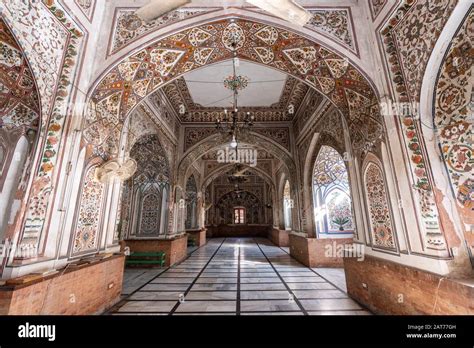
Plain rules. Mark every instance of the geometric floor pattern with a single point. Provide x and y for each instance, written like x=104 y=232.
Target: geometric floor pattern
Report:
x=238 y=276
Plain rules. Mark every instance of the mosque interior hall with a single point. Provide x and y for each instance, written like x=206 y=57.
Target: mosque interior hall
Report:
x=236 y=157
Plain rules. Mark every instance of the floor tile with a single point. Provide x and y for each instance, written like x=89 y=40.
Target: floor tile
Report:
x=265 y=279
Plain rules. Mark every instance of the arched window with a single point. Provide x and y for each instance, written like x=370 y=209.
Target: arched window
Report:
x=287 y=205
x=239 y=215
x=331 y=195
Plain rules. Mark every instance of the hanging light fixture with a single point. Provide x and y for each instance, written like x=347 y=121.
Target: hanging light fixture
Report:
x=232 y=123
x=285 y=9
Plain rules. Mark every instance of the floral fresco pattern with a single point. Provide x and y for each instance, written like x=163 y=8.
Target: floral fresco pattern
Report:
x=409 y=38
x=89 y=215
x=453 y=114
x=376 y=6
x=379 y=211
x=87 y=6
x=53 y=63
x=337 y=24
x=19 y=102
x=128 y=27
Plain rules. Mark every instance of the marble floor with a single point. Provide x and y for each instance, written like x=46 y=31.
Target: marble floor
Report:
x=237 y=276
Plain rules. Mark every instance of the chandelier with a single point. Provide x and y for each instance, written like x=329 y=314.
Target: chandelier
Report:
x=234 y=122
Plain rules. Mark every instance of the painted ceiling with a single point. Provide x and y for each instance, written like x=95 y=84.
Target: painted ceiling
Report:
x=142 y=73
x=19 y=104
x=263 y=86
x=284 y=108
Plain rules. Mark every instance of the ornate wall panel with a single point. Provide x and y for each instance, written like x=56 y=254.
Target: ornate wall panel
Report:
x=150 y=213
x=88 y=223
x=408 y=39
x=191 y=203
x=144 y=194
x=379 y=210
x=54 y=64
x=454 y=108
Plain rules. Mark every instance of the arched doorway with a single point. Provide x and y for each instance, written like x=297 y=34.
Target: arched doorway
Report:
x=332 y=201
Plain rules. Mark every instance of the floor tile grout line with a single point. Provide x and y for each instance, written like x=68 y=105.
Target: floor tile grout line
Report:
x=312 y=270
x=245 y=299
x=281 y=278
x=330 y=282
x=123 y=301
x=237 y=304
x=173 y=310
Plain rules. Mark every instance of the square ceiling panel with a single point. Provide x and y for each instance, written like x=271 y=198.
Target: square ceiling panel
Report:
x=206 y=85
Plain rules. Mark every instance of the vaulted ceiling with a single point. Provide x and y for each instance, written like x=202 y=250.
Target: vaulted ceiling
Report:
x=201 y=96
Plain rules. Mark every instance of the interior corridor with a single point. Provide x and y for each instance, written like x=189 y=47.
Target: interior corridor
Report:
x=237 y=276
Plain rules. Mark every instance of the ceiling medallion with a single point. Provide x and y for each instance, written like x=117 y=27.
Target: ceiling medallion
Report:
x=236 y=83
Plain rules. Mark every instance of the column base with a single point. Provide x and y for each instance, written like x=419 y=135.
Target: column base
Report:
x=176 y=249
x=314 y=253
x=199 y=236
x=280 y=238
x=80 y=289
x=386 y=287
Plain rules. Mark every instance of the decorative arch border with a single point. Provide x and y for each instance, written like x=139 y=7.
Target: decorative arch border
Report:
x=216 y=141
x=245 y=13
x=138 y=74
x=221 y=170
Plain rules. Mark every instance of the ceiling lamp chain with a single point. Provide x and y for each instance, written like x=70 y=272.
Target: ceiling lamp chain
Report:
x=232 y=123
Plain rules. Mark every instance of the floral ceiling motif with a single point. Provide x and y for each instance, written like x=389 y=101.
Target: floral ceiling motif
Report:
x=453 y=114
x=409 y=40
x=127 y=27
x=187 y=110
x=19 y=104
x=46 y=59
x=376 y=6
x=87 y=6
x=137 y=76
x=336 y=24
